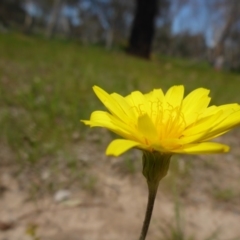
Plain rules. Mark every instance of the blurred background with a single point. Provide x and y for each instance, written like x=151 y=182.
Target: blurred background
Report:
x=56 y=183
x=201 y=29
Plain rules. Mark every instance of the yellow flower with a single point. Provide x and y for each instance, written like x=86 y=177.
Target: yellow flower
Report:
x=166 y=123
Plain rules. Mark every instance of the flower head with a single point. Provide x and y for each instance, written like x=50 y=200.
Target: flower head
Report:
x=167 y=123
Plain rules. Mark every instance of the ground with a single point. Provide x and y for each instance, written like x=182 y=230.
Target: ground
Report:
x=45 y=88
x=206 y=195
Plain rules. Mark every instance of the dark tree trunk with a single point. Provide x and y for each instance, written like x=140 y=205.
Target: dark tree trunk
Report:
x=142 y=33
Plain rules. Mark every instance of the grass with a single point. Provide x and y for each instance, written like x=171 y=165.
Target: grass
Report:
x=225 y=194
x=175 y=228
x=46 y=88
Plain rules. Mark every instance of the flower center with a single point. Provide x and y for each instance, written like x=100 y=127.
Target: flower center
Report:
x=168 y=120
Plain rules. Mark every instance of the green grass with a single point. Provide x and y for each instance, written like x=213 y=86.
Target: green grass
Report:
x=225 y=194
x=46 y=88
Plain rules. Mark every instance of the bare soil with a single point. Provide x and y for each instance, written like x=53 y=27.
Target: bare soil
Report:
x=208 y=196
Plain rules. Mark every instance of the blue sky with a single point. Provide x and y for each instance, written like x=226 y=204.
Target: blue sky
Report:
x=194 y=18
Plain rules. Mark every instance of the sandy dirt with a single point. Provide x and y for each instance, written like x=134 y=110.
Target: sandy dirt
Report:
x=209 y=202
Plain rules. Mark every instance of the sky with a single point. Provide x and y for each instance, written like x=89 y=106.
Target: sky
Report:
x=195 y=18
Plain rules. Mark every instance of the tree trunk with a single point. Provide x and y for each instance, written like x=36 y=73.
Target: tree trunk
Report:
x=218 y=53
x=28 y=23
x=142 y=33
x=54 y=17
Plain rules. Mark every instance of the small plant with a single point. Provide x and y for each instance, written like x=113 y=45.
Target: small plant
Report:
x=175 y=230
x=224 y=194
x=130 y=165
x=31 y=231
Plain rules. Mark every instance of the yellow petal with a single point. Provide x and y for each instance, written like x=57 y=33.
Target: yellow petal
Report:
x=232 y=107
x=174 y=96
x=196 y=100
x=119 y=146
x=109 y=102
x=202 y=148
x=212 y=124
x=138 y=102
x=194 y=103
x=105 y=119
x=225 y=125
x=212 y=137
x=156 y=95
x=193 y=138
x=209 y=111
x=155 y=103
x=123 y=104
x=146 y=127
x=203 y=125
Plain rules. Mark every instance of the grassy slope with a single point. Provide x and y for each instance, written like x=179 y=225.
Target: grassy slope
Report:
x=45 y=88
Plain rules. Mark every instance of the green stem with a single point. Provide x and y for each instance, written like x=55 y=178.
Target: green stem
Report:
x=152 y=192
x=155 y=167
